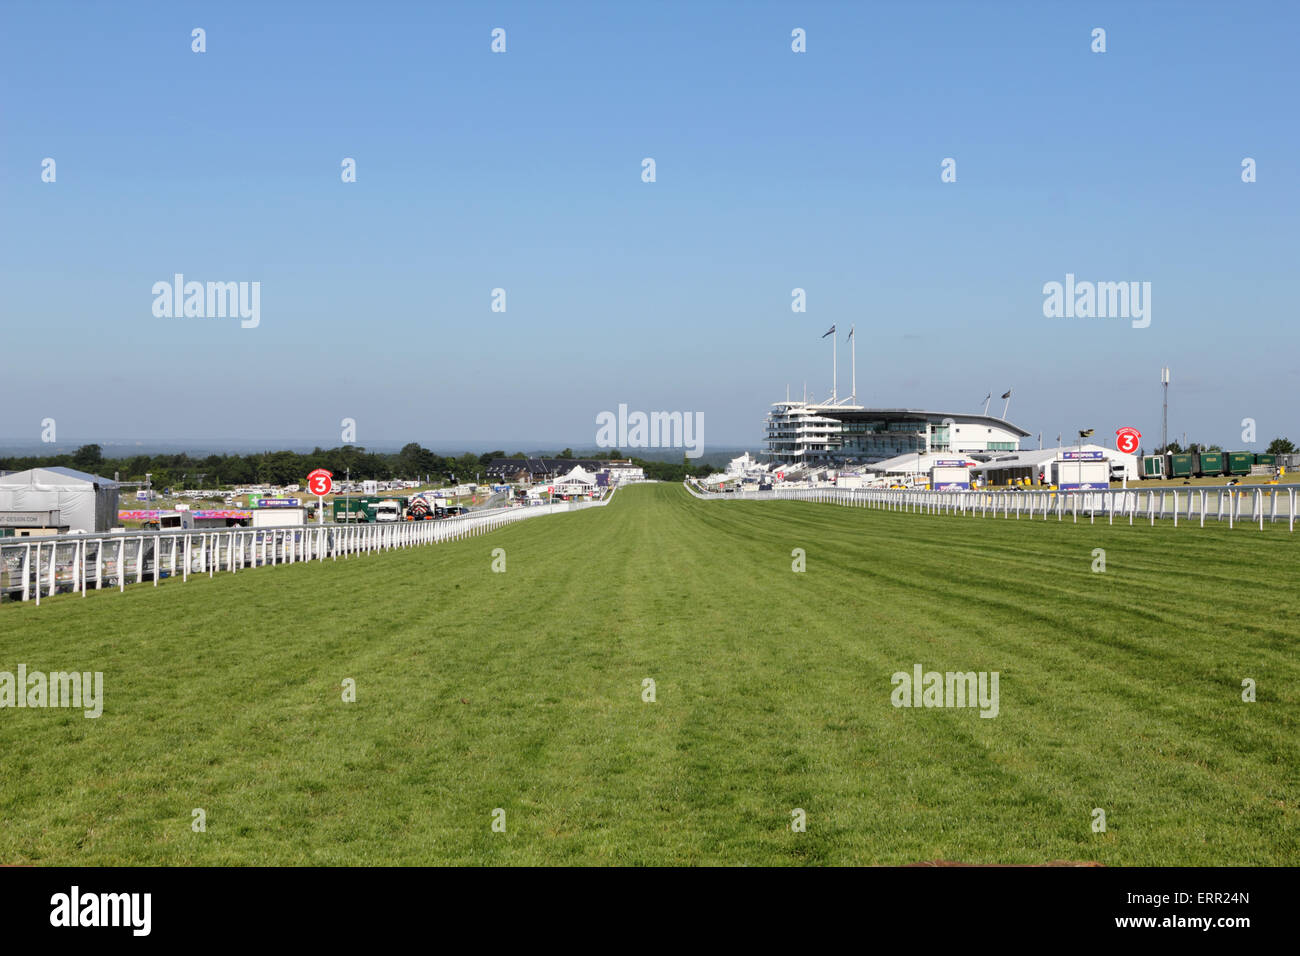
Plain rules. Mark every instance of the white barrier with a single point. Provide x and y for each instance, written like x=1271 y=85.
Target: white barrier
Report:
x=32 y=567
x=1252 y=504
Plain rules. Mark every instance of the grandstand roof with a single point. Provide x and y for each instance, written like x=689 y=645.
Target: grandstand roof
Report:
x=853 y=414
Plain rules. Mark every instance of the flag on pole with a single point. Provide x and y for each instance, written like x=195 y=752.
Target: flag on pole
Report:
x=1007 y=393
x=830 y=332
x=851 y=328
x=988 y=397
x=1086 y=434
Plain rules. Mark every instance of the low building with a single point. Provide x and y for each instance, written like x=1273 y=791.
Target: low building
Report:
x=535 y=470
x=622 y=473
x=919 y=464
x=1037 y=464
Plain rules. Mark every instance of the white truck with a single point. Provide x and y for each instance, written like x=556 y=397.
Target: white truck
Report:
x=950 y=476
x=279 y=517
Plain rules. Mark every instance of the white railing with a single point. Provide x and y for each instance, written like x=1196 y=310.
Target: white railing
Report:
x=32 y=567
x=1237 y=504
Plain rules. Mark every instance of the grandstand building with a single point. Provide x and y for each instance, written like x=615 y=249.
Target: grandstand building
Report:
x=834 y=434
x=799 y=434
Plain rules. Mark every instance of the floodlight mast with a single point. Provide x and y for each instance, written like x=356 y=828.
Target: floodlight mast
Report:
x=1164 y=422
x=854 y=351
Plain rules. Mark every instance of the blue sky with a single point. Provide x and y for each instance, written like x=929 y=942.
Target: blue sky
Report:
x=522 y=171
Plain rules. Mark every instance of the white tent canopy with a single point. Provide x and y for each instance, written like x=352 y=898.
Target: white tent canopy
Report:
x=746 y=464
x=918 y=464
x=84 y=502
x=577 y=482
x=1038 y=459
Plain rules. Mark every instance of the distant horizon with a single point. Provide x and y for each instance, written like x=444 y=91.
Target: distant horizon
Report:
x=11 y=446
x=28 y=449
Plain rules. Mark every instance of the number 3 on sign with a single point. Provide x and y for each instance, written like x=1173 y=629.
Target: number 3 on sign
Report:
x=320 y=482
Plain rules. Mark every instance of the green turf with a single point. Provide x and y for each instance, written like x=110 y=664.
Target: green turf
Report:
x=522 y=690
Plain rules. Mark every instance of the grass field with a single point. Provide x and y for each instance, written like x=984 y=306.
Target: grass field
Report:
x=523 y=691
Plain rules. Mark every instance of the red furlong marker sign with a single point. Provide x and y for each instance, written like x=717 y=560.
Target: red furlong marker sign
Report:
x=320 y=483
x=1128 y=439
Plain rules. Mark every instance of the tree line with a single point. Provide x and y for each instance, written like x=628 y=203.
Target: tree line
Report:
x=1278 y=446
x=413 y=463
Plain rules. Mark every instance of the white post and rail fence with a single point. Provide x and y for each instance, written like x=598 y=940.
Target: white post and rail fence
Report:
x=70 y=563
x=1238 y=505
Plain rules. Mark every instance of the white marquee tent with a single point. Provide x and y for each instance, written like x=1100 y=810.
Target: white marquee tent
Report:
x=83 y=502
x=577 y=482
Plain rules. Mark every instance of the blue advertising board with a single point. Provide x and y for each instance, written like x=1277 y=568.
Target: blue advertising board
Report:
x=953 y=486
x=1084 y=455
x=279 y=503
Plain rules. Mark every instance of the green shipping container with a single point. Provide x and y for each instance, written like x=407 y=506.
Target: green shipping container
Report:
x=1239 y=462
x=1211 y=463
x=1180 y=466
x=1270 y=460
x=357 y=508
x=1153 y=466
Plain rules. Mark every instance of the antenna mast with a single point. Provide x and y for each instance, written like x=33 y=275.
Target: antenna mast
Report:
x=854 y=339
x=1164 y=421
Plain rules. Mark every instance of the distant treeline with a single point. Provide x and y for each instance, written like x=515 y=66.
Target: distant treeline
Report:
x=413 y=463
x=1278 y=446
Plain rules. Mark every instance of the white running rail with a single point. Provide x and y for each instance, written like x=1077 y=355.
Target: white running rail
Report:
x=1237 y=505
x=32 y=567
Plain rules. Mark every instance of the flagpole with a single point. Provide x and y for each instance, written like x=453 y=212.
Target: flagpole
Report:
x=835 y=366
x=1006 y=406
x=854 y=352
